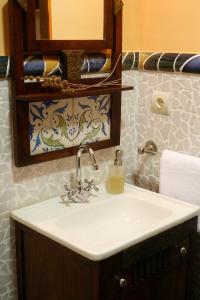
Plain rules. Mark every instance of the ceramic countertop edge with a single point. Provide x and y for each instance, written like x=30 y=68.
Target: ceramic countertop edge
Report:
x=17 y=215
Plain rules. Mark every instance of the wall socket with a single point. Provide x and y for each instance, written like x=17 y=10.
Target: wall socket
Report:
x=160 y=103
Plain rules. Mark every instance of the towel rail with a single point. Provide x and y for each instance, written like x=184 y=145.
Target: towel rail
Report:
x=150 y=148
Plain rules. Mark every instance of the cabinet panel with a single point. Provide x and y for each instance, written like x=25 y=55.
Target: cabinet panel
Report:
x=47 y=270
x=52 y=272
x=161 y=275
x=171 y=285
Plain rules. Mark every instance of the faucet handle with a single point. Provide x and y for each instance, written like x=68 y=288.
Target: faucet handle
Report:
x=90 y=185
x=66 y=188
x=70 y=193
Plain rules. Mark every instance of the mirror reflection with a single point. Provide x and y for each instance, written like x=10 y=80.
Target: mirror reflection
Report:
x=69 y=20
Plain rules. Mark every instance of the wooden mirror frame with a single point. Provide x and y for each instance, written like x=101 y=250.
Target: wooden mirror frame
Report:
x=25 y=93
x=53 y=45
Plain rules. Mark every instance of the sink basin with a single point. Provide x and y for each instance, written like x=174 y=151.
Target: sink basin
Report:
x=107 y=224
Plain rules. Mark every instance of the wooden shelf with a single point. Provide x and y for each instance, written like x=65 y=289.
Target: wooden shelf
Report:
x=58 y=95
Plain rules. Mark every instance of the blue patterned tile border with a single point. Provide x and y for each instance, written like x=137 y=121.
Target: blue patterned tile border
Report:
x=101 y=63
x=171 y=62
x=4 y=67
x=39 y=65
x=130 y=61
x=56 y=125
x=96 y=63
x=51 y=65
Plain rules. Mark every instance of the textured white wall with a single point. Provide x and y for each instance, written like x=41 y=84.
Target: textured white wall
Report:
x=23 y=186
x=180 y=131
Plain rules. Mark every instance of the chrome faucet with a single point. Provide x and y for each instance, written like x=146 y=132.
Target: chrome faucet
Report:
x=80 y=191
x=78 y=162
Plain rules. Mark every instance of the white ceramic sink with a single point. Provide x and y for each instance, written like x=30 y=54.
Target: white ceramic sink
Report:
x=106 y=224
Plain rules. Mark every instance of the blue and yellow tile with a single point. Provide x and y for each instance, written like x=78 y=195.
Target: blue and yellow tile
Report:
x=96 y=62
x=39 y=65
x=50 y=125
x=92 y=119
x=56 y=125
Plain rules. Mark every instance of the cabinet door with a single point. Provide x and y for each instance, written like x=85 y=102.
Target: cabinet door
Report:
x=170 y=286
x=158 y=277
x=144 y=293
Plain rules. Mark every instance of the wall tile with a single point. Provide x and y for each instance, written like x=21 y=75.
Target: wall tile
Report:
x=50 y=125
x=56 y=125
x=179 y=131
x=92 y=119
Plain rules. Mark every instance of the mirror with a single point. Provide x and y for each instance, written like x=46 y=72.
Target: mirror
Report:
x=69 y=24
x=69 y=20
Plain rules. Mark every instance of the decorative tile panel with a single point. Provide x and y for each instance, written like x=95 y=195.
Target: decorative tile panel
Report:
x=92 y=119
x=60 y=124
x=50 y=125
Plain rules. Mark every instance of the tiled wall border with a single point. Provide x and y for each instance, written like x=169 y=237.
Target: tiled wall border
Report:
x=4 y=67
x=161 y=62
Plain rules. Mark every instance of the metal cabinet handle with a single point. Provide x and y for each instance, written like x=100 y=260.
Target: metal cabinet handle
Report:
x=183 y=251
x=121 y=281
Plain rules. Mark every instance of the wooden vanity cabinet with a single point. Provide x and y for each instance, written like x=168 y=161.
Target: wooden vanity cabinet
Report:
x=156 y=269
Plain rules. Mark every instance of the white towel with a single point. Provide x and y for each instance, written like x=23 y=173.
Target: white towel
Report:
x=180 y=177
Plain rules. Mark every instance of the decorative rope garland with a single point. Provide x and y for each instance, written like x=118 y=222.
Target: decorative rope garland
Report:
x=67 y=87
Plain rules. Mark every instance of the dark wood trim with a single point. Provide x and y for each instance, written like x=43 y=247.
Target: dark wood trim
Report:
x=19 y=260
x=117 y=44
x=22 y=142
x=16 y=47
x=45 y=16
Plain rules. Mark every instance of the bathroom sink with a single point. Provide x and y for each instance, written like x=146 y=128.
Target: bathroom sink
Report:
x=107 y=224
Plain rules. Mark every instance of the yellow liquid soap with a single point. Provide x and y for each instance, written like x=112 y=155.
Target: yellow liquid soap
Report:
x=115 y=185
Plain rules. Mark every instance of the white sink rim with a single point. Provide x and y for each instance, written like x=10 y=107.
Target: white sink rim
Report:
x=42 y=217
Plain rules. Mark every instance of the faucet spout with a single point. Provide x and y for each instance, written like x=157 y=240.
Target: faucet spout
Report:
x=95 y=167
x=84 y=148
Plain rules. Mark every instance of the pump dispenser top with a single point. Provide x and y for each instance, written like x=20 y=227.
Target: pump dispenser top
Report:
x=118 y=158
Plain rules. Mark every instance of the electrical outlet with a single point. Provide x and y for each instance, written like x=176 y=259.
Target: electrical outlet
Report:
x=160 y=103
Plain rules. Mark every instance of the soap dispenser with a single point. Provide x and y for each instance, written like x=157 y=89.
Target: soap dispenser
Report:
x=116 y=178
